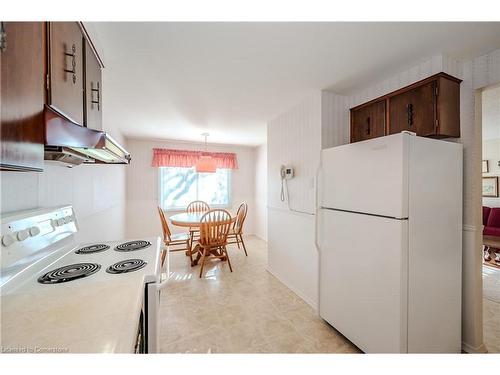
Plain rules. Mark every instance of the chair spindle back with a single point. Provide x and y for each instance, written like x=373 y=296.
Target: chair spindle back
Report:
x=214 y=227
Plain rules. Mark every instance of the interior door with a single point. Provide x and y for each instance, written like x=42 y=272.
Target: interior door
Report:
x=369 y=177
x=363 y=265
x=66 y=71
x=414 y=110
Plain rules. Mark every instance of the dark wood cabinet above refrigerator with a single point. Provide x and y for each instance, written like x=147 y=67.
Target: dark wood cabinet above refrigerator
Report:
x=429 y=108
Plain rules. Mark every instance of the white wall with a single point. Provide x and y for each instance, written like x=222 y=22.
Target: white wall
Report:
x=491 y=152
x=294 y=139
x=142 y=184
x=261 y=192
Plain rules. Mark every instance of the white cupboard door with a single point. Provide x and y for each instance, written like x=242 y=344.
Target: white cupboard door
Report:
x=369 y=176
x=363 y=265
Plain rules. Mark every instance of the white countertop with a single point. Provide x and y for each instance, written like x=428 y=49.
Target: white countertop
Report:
x=96 y=314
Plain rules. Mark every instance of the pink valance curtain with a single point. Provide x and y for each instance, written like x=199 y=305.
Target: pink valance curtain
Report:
x=163 y=157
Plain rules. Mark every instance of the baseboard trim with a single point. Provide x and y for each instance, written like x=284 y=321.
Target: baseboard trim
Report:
x=481 y=349
x=297 y=292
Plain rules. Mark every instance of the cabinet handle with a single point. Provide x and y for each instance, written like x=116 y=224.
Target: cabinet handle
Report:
x=73 y=62
x=409 y=111
x=367 y=126
x=96 y=90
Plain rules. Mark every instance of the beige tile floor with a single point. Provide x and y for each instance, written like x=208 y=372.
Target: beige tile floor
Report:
x=491 y=308
x=250 y=311
x=247 y=311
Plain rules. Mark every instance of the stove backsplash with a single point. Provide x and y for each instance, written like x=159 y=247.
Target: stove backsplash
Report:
x=97 y=194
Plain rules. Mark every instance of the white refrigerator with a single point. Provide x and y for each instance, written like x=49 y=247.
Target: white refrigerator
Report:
x=390 y=243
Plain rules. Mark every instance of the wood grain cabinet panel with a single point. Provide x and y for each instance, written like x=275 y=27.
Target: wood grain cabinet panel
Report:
x=66 y=69
x=93 y=89
x=22 y=97
x=368 y=121
x=414 y=110
x=448 y=107
x=429 y=108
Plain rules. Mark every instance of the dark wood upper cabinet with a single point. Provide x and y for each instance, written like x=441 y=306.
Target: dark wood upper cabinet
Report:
x=414 y=110
x=368 y=121
x=22 y=96
x=65 y=69
x=448 y=107
x=429 y=108
x=45 y=69
x=93 y=89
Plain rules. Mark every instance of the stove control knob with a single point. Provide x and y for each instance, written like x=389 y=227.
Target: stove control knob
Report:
x=60 y=222
x=53 y=222
x=8 y=240
x=34 y=231
x=23 y=234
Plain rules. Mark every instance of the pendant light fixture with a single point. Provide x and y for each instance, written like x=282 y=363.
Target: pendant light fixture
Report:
x=206 y=163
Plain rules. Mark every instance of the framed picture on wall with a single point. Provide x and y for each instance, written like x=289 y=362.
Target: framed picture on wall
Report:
x=486 y=168
x=490 y=187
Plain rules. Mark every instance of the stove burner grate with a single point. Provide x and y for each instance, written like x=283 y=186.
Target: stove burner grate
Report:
x=128 y=265
x=133 y=245
x=69 y=273
x=92 y=249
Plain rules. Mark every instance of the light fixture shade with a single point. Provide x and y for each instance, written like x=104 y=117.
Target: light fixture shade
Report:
x=206 y=164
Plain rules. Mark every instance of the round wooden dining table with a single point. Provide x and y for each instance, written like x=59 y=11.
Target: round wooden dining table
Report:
x=190 y=219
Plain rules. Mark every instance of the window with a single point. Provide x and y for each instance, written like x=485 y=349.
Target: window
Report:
x=181 y=186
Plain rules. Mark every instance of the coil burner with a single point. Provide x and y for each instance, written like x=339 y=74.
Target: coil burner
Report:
x=69 y=273
x=124 y=266
x=133 y=245
x=92 y=249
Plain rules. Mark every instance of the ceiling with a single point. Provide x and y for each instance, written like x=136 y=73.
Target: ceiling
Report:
x=178 y=80
x=491 y=113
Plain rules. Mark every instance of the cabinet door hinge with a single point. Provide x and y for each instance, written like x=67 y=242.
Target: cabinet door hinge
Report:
x=436 y=123
x=436 y=90
x=47 y=82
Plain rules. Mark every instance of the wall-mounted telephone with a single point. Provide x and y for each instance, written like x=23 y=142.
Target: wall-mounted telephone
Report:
x=286 y=173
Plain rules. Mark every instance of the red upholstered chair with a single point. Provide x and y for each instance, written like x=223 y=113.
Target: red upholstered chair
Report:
x=486 y=213
x=492 y=227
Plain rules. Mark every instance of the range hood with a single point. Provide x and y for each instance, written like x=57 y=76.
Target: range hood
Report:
x=73 y=144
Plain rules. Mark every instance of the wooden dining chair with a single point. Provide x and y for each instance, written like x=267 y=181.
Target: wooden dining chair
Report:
x=214 y=227
x=196 y=207
x=236 y=232
x=173 y=241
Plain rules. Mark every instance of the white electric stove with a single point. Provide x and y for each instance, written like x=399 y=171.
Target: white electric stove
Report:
x=61 y=296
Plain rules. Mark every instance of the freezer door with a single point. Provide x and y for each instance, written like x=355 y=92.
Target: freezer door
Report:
x=369 y=176
x=363 y=273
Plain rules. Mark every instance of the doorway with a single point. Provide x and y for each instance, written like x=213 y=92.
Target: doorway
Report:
x=490 y=176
